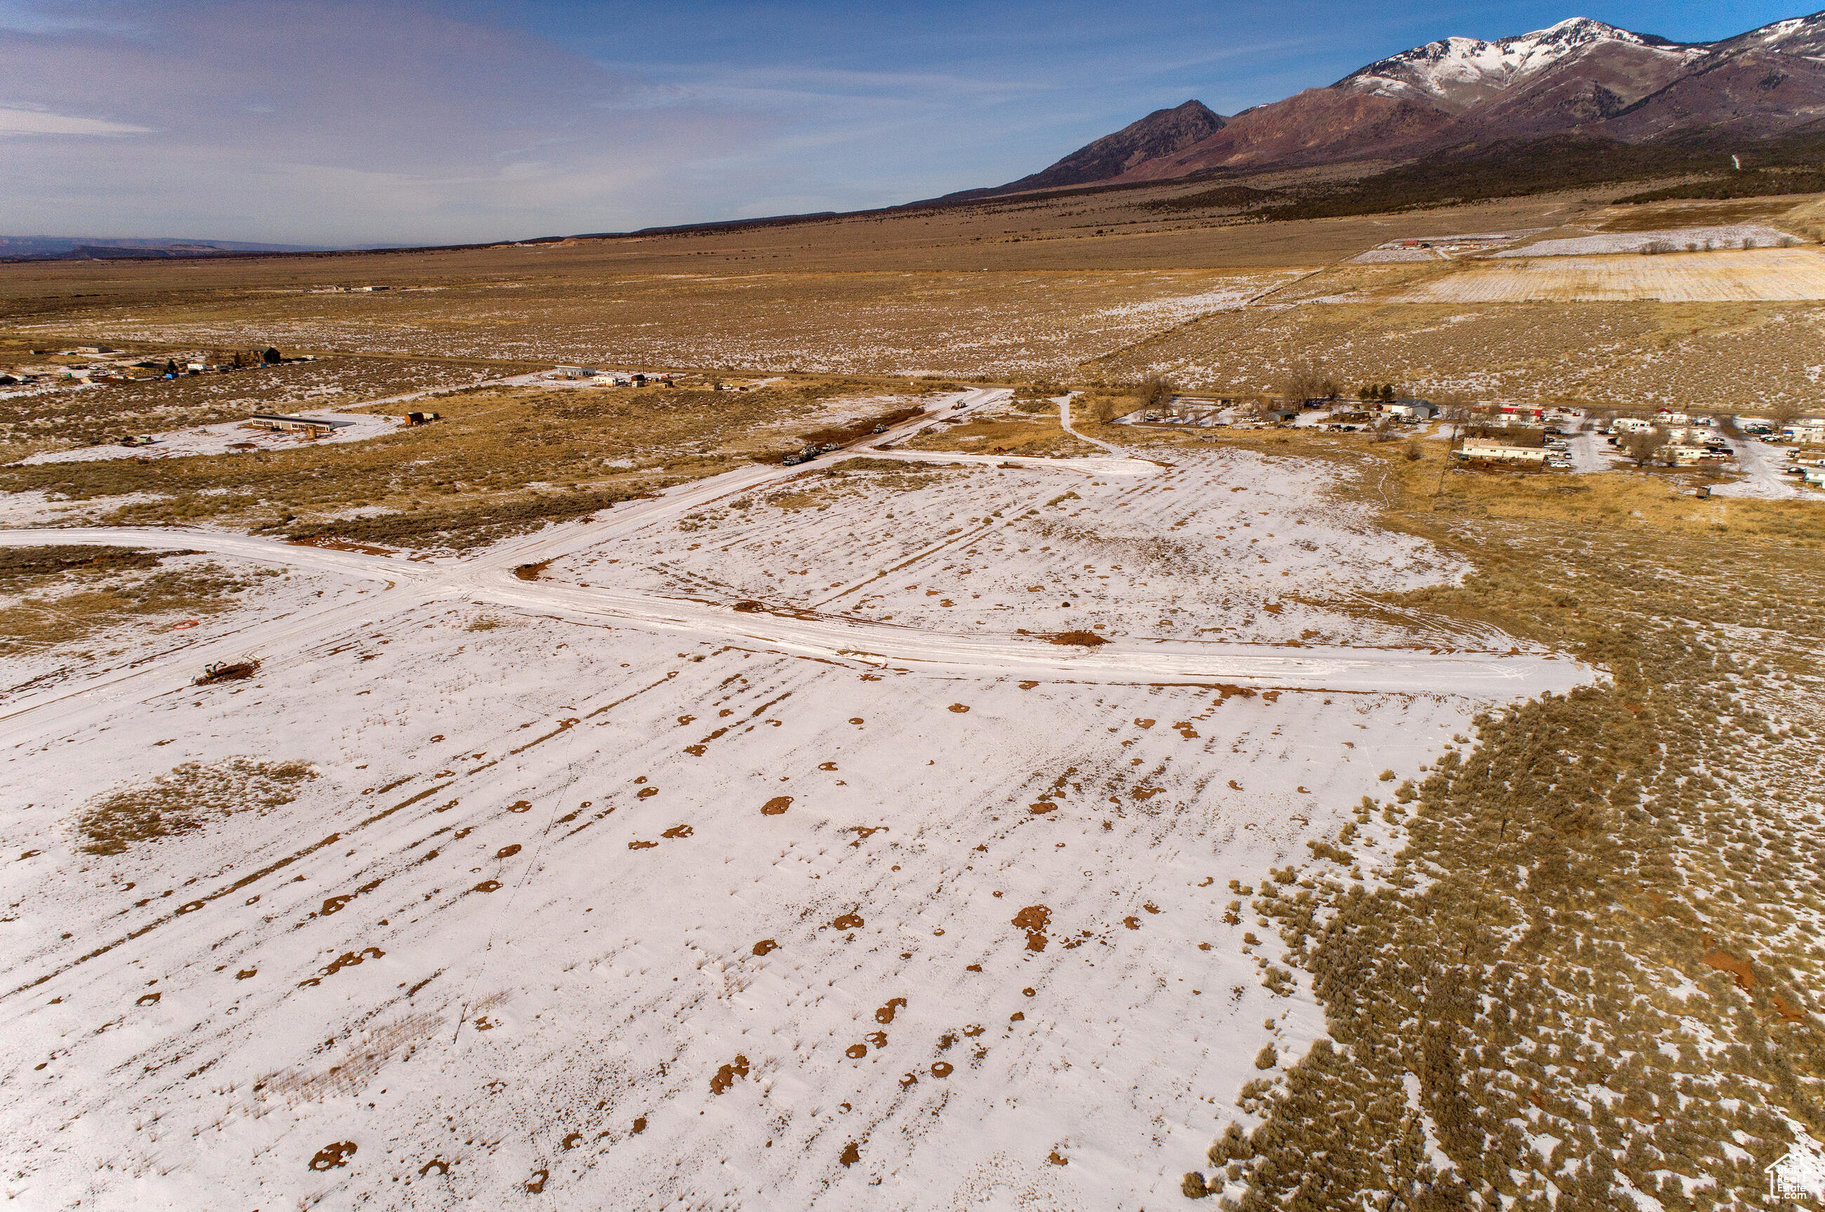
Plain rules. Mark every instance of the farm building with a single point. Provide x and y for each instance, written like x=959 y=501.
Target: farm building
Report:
x=1809 y=432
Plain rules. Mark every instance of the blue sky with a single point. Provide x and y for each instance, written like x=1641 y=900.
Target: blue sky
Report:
x=337 y=122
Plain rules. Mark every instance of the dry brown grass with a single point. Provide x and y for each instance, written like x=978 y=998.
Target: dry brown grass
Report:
x=1567 y=868
x=108 y=412
x=1035 y=437
x=186 y=799
x=51 y=596
x=503 y=460
x=1719 y=356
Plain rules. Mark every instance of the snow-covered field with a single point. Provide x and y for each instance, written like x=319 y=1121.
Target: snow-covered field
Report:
x=1673 y=239
x=233 y=437
x=1224 y=544
x=1772 y=274
x=608 y=891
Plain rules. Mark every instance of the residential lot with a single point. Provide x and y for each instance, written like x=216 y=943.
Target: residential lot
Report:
x=965 y=733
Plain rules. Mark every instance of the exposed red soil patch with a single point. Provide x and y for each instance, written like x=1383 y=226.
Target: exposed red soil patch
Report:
x=348 y=959
x=1034 y=919
x=532 y=572
x=1079 y=639
x=333 y=1155
x=727 y=1075
x=764 y=946
x=330 y=544
x=849 y=921
x=1739 y=969
x=959 y=708
x=775 y=806
x=852 y=1154
x=885 y=1013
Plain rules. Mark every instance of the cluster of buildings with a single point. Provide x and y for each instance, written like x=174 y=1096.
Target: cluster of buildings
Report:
x=1682 y=440
x=612 y=378
x=1271 y=411
x=85 y=365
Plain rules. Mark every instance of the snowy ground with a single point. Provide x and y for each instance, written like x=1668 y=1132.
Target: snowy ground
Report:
x=1763 y=476
x=612 y=888
x=232 y=437
x=1764 y=275
x=1224 y=544
x=1681 y=239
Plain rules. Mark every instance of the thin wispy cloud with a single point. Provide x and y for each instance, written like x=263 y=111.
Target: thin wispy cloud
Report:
x=347 y=121
x=36 y=120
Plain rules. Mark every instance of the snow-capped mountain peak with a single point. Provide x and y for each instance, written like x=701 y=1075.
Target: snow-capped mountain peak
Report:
x=1796 y=35
x=1456 y=73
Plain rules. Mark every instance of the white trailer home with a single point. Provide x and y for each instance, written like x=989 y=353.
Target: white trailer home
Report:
x=1477 y=450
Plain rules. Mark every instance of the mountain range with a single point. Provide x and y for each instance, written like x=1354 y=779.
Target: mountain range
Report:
x=95 y=248
x=1580 y=78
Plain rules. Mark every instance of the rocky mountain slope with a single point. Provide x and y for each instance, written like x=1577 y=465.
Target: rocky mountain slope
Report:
x=1157 y=136
x=1577 y=78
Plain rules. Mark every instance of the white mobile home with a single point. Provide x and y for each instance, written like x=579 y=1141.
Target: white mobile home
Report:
x=1480 y=451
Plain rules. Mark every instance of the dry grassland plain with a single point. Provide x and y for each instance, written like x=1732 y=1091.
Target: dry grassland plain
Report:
x=606 y=813
x=1759 y=276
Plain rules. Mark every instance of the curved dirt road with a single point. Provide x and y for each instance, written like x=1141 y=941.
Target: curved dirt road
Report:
x=397 y=583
